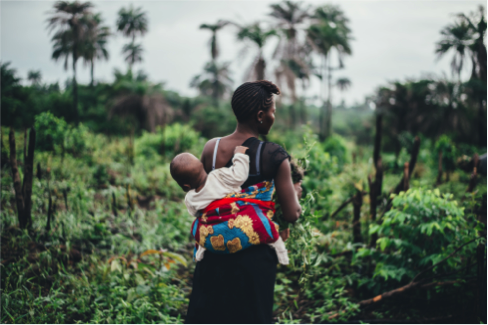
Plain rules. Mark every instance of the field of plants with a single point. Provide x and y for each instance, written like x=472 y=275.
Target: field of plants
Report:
x=109 y=237
x=393 y=229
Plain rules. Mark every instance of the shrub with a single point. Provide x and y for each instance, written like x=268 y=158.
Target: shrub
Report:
x=446 y=146
x=335 y=145
x=421 y=229
x=50 y=131
x=170 y=140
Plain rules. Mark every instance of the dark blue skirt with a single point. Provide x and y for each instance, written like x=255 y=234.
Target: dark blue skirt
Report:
x=234 y=288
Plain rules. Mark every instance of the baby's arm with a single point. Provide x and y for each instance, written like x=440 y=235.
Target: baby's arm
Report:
x=237 y=174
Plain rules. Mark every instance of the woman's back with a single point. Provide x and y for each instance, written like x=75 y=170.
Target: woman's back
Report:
x=265 y=157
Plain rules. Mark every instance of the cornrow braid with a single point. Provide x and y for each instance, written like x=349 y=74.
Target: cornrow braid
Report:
x=251 y=97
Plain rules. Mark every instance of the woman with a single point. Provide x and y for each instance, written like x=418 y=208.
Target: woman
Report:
x=238 y=288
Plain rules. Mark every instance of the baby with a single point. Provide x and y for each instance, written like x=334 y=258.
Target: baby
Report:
x=202 y=188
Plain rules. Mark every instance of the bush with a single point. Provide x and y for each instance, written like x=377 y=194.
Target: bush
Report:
x=421 y=229
x=335 y=145
x=50 y=131
x=170 y=140
x=446 y=146
x=74 y=141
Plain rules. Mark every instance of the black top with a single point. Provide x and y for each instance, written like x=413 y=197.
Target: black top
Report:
x=271 y=156
x=239 y=288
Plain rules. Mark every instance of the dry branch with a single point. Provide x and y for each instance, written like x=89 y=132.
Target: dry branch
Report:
x=356 y=225
x=439 y=173
x=28 y=175
x=413 y=283
x=411 y=166
x=342 y=206
x=474 y=175
x=19 y=200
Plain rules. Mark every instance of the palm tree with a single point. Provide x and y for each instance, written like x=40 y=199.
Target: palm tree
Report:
x=131 y=22
x=477 y=24
x=258 y=36
x=343 y=84
x=215 y=81
x=289 y=15
x=329 y=31
x=35 y=77
x=457 y=38
x=214 y=48
x=71 y=30
x=133 y=53
x=95 y=44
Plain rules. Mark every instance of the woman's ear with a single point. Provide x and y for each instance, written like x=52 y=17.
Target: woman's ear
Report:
x=260 y=116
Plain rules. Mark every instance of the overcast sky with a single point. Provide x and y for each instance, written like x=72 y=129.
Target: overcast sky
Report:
x=393 y=40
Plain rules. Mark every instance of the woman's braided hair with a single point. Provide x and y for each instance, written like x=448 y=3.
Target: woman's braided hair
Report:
x=251 y=97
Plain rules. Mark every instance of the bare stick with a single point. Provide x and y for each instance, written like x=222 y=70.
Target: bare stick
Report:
x=439 y=173
x=356 y=225
x=16 y=177
x=413 y=283
x=405 y=176
x=441 y=261
x=377 y=139
x=28 y=175
x=474 y=175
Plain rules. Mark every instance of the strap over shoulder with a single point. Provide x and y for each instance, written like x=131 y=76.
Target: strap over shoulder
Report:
x=215 y=153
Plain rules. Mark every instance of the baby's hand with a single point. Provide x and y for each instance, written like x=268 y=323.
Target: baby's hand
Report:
x=240 y=149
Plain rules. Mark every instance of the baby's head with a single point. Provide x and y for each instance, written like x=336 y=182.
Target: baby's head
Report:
x=187 y=170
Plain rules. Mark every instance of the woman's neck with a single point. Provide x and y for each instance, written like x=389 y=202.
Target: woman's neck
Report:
x=246 y=131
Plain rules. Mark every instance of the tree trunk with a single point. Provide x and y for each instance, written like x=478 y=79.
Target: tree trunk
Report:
x=439 y=168
x=324 y=107
x=403 y=185
x=92 y=73
x=328 y=126
x=75 y=89
x=375 y=190
x=28 y=176
x=260 y=68
x=356 y=224
x=19 y=200
x=377 y=139
x=114 y=205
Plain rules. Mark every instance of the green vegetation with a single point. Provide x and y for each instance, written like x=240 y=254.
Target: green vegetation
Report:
x=393 y=196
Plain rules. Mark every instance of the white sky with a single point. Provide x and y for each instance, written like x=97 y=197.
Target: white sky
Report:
x=393 y=40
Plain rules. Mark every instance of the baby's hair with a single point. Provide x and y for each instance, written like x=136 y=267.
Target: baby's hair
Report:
x=251 y=97
x=180 y=167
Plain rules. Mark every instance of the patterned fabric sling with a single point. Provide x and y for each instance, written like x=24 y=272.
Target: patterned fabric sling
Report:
x=239 y=220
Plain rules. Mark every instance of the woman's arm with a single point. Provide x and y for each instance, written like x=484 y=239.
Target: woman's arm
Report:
x=285 y=190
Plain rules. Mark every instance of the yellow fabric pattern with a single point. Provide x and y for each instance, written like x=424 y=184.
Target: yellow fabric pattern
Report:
x=234 y=245
x=270 y=214
x=234 y=207
x=245 y=224
x=204 y=232
x=218 y=243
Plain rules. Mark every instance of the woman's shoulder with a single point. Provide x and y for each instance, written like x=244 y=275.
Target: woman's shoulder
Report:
x=273 y=155
x=209 y=146
x=274 y=149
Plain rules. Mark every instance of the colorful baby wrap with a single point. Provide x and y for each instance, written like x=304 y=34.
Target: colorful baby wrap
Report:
x=237 y=221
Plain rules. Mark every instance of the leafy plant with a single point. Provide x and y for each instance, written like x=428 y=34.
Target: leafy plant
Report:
x=50 y=132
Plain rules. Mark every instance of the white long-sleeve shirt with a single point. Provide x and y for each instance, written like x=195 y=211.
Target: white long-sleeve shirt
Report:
x=220 y=182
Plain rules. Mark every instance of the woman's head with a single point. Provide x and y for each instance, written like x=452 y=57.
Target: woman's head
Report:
x=253 y=103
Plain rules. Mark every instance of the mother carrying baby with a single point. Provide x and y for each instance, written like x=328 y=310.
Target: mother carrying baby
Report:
x=230 y=191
